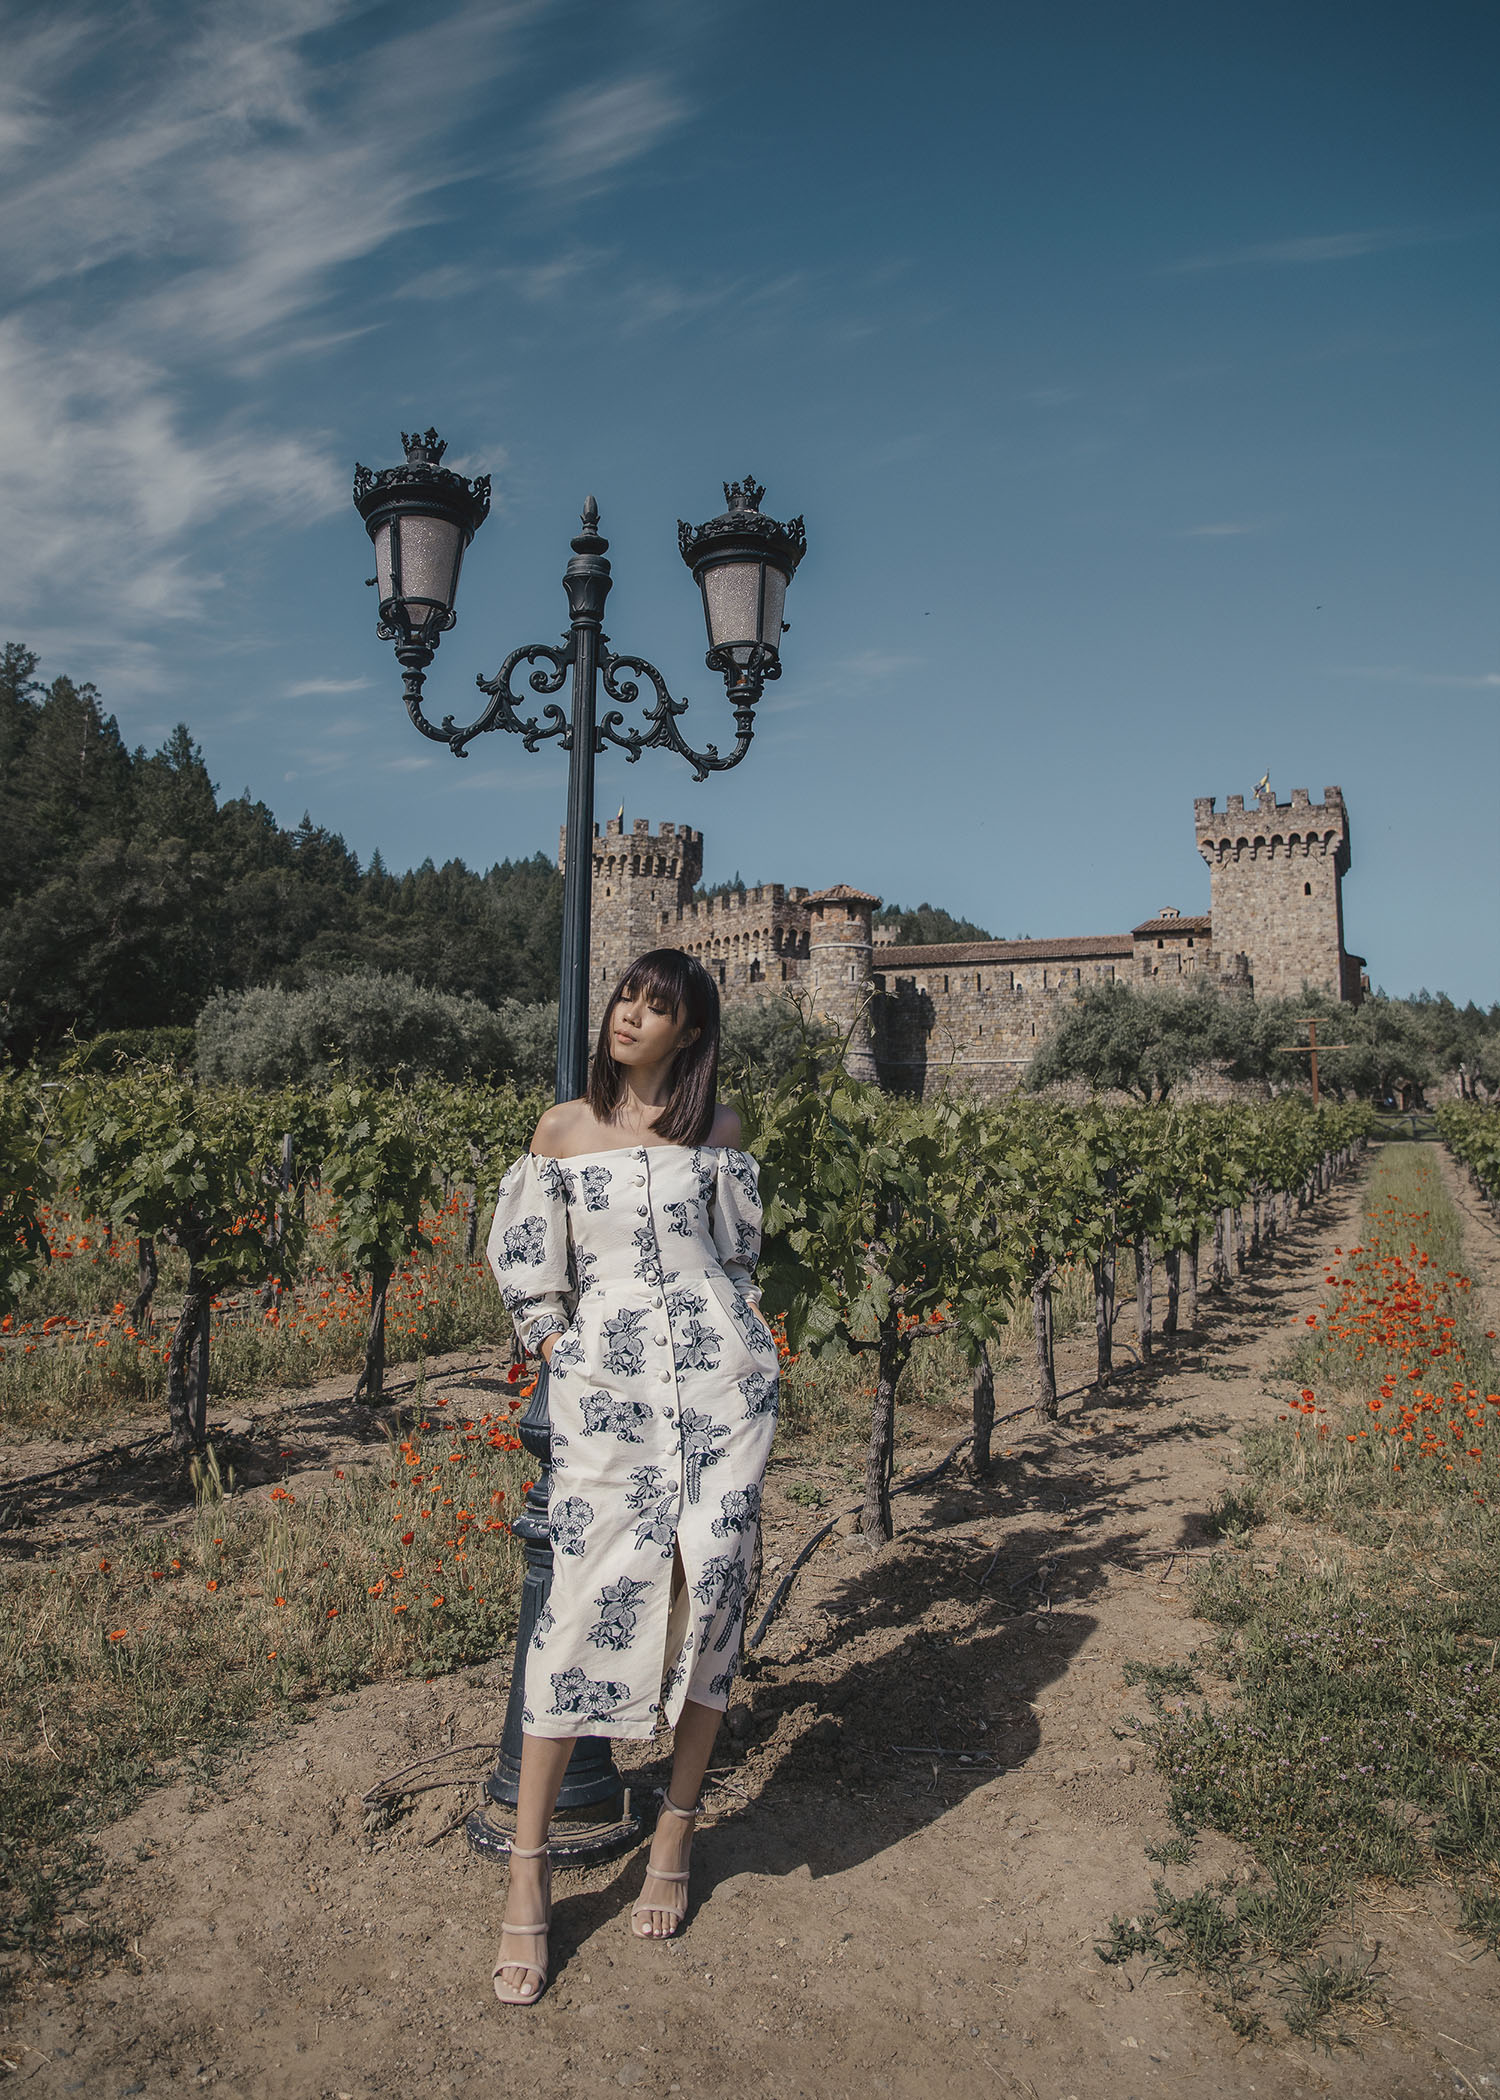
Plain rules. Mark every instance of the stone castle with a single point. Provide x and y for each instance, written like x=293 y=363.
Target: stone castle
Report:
x=974 y=1011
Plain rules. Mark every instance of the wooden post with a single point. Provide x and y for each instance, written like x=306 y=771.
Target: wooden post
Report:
x=1310 y=1048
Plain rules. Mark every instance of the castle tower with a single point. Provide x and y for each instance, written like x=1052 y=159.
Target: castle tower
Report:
x=638 y=877
x=1277 y=872
x=840 y=980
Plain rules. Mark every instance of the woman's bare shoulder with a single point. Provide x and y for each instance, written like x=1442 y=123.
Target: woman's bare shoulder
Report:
x=565 y=1129
x=726 y=1128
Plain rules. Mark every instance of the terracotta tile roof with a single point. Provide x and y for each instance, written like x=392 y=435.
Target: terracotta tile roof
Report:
x=841 y=893
x=1074 y=948
x=1157 y=927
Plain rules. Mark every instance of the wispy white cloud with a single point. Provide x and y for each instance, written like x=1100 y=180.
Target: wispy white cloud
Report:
x=589 y=133
x=105 y=486
x=1313 y=248
x=1409 y=674
x=536 y=283
x=188 y=186
x=312 y=686
x=186 y=199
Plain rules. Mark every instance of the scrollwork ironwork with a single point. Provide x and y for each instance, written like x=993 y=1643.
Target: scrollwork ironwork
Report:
x=502 y=712
x=662 y=718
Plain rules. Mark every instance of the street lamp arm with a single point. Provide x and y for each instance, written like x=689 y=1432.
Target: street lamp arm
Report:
x=663 y=718
x=501 y=712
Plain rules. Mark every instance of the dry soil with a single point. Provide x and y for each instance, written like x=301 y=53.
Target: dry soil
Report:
x=926 y=1818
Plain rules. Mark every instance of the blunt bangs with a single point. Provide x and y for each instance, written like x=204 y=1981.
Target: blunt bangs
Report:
x=664 y=977
x=669 y=978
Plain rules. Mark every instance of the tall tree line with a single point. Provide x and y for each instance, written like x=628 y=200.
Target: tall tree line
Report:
x=129 y=893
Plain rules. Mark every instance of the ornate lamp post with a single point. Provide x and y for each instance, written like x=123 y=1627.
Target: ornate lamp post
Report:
x=421 y=518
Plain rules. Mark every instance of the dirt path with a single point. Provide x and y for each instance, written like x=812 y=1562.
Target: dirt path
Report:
x=925 y=1821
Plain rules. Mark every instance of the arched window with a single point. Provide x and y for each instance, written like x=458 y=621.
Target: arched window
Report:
x=1307 y=889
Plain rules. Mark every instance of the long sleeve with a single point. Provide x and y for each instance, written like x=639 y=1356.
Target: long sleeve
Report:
x=528 y=1249
x=736 y=1221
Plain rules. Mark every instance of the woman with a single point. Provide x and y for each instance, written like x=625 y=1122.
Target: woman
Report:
x=624 y=1243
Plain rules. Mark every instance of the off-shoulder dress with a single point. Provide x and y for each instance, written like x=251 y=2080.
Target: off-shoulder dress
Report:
x=663 y=1395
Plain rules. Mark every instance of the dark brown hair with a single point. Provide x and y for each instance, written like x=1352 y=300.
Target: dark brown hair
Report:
x=669 y=978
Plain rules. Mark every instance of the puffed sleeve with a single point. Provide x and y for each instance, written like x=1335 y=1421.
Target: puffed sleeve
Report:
x=736 y=1220
x=528 y=1249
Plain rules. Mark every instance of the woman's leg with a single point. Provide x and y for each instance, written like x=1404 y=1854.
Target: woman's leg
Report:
x=544 y=1759
x=692 y=1747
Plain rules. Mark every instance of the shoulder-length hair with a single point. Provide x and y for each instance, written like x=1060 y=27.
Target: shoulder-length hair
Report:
x=668 y=978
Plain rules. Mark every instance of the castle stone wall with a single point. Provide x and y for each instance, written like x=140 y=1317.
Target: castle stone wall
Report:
x=971 y=1013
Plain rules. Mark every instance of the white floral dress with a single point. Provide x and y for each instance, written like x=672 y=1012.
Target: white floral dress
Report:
x=663 y=1398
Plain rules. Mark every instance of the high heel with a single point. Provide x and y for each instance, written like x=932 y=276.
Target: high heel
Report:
x=507 y=1993
x=675 y=1911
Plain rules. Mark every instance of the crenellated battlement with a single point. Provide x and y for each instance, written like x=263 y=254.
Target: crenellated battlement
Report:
x=757 y=903
x=1300 y=810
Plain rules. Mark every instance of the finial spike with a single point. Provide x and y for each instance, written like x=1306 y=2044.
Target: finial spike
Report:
x=590 y=515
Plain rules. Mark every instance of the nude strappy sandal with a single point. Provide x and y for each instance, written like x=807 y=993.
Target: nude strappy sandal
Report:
x=505 y=1992
x=678 y=1911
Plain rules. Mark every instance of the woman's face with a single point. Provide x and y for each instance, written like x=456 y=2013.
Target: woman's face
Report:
x=646 y=1032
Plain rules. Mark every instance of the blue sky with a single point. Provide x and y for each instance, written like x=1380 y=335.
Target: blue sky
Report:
x=1132 y=364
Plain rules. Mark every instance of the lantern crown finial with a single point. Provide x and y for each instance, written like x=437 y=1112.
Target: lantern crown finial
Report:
x=423 y=448
x=743 y=530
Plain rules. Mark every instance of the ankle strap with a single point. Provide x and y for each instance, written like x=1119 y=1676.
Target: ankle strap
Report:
x=689 y=1813
x=528 y=1852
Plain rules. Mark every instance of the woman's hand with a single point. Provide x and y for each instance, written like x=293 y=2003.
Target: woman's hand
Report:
x=765 y=1323
x=548 y=1343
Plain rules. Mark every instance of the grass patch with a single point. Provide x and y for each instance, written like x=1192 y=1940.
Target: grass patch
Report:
x=1360 y=1740
x=1234 y=1514
x=134 y=1667
x=1162 y=1680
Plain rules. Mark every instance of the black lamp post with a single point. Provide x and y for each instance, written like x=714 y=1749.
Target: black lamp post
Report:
x=421 y=518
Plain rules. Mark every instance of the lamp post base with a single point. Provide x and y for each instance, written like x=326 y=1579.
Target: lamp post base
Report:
x=573 y=1841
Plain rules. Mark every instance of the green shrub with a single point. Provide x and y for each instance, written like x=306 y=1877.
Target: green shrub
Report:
x=372 y=1025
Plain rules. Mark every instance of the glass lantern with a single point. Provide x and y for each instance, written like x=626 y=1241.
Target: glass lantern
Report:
x=421 y=518
x=742 y=562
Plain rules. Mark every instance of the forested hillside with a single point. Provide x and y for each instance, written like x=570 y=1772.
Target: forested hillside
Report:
x=129 y=892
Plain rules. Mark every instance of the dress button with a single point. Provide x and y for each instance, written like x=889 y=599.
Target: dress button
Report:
x=642 y=1210
x=666 y=1414
x=660 y=1340
x=665 y=1377
x=640 y=1181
